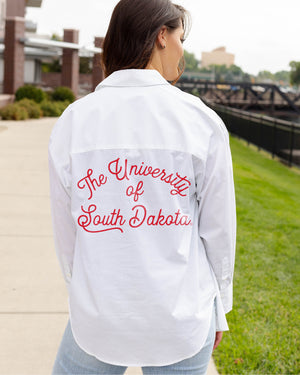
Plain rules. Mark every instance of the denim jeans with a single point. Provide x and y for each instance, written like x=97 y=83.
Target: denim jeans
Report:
x=71 y=360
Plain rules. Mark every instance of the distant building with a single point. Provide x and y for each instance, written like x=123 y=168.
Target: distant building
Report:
x=16 y=8
x=32 y=67
x=26 y=50
x=41 y=48
x=218 y=56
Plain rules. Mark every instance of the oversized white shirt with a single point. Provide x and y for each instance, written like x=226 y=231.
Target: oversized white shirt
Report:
x=143 y=210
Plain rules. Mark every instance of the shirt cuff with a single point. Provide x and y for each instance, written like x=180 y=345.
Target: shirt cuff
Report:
x=226 y=297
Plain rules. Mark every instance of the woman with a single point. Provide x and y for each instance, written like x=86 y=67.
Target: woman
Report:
x=143 y=208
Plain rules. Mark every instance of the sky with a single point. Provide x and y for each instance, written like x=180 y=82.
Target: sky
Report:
x=262 y=34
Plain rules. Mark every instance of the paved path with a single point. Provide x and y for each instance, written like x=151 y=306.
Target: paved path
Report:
x=33 y=297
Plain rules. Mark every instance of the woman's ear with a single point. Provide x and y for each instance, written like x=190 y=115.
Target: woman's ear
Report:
x=161 y=37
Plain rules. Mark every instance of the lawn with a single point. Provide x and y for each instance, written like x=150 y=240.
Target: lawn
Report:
x=264 y=322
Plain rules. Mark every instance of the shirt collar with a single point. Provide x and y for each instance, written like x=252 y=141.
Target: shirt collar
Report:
x=133 y=77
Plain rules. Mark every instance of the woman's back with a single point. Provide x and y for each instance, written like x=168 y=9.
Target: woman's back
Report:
x=133 y=173
x=143 y=206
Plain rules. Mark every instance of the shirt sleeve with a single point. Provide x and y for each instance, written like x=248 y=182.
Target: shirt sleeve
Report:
x=217 y=212
x=64 y=229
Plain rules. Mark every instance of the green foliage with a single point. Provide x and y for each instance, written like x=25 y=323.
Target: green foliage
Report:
x=53 y=67
x=224 y=73
x=63 y=93
x=53 y=109
x=205 y=70
x=191 y=63
x=33 y=109
x=264 y=324
x=13 y=111
x=84 y=65
x=235 y=70
x=265 y=75
x=62 y=105
x=56 y=37
x=30 y=92
x=283 y=76
x=29 y=105
x=295 y=72
x=220 y=71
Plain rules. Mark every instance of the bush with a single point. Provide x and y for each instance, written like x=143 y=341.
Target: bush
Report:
x=63 y=105
x=33 y=109
x=13 y=112
x=30 y=92
x=53 y=109
x=63 y=93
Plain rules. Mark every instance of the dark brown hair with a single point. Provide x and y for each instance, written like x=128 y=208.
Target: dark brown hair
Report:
x=132 y=32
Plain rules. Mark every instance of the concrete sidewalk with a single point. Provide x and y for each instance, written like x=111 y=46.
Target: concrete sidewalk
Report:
x=33 y=307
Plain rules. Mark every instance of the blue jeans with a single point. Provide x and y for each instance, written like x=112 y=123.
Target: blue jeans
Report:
x=71 y=360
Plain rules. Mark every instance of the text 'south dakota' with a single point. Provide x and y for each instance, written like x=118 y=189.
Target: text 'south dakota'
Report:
x=91 y=219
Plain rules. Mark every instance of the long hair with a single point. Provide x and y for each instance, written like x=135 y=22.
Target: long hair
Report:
x=132 y=32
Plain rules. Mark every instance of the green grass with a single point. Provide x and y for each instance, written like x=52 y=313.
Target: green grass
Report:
x=264 y=322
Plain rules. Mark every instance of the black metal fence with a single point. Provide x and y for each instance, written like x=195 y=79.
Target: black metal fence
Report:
x=279 y=137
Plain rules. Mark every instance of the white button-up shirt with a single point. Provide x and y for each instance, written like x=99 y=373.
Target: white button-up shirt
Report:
x=143 y=209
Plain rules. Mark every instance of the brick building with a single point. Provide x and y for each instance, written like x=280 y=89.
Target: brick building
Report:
x=22 y=52
x=32 y=60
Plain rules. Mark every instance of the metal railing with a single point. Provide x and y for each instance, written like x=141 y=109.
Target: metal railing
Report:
x=279 y=137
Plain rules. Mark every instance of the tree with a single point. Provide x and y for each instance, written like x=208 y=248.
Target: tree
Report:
x=295 y=72
x=205 y=70
x=283 y=77
x=191 y=63
x=220 y=71
x=234 y=73
x=247 y=77
x=235 y=70
x=265 y=75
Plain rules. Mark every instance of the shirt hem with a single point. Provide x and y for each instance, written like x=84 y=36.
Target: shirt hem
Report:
x=134 y=364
